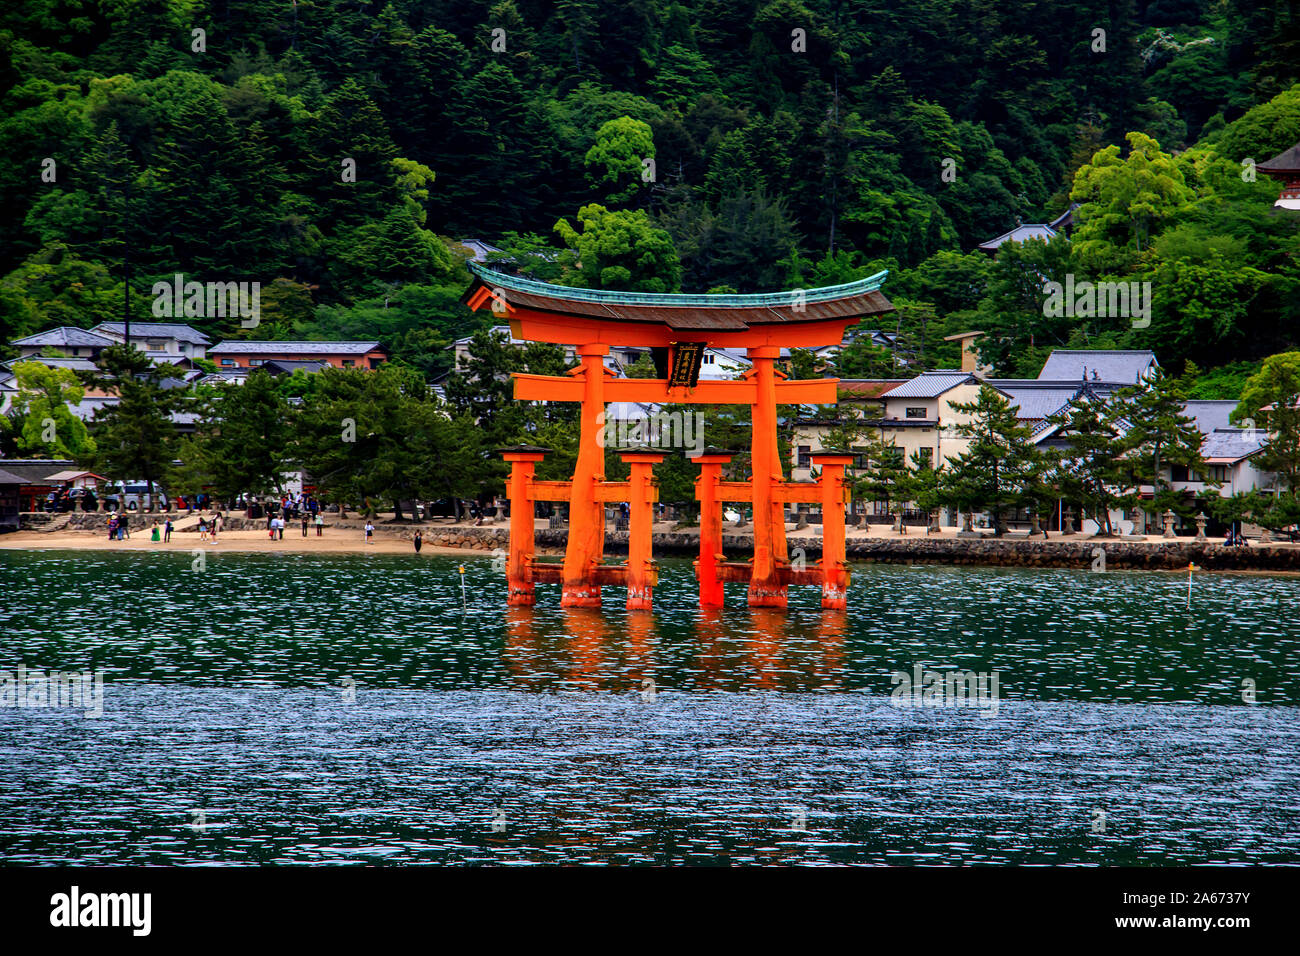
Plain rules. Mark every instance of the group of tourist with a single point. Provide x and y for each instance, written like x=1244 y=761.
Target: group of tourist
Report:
x=208 y=527
x=119 y=526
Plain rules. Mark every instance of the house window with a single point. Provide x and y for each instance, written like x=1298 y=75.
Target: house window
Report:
x=227 y=361
x=1178 y=473
x=348 y=363
x=805 y=456
x=708 y=359
x=257 y=361
x=1218 y=472
x=926 y=456
x=915 y=412
x=374 y=363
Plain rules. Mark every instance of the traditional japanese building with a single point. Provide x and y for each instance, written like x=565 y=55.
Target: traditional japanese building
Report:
x=1286 y=167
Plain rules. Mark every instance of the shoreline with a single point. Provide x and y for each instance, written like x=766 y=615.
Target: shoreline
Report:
x=887 y=547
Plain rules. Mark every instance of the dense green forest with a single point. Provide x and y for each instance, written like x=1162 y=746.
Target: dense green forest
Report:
x=337 y=150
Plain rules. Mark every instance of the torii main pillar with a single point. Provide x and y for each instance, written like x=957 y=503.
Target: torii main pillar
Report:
x=579 y=587
x=766 y=589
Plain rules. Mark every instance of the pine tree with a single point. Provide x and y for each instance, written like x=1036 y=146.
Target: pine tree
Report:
x=1001 y=468
x=1158 y=434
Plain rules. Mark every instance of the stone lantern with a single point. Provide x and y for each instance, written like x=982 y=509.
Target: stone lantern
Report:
x=1201 y=519
x=1169 y=523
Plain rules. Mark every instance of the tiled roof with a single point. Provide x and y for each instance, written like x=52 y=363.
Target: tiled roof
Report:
x=53 y=361
x=291 y=365
x=932 y=384
x=143 y=330
x=479 y=248
x=1287 y=161
x=1034 y=401
x=247 y=347
x=1036 y=230
x=1066 y=218
x=1209 y=415
x=1230 y=445
x=35 y=471
x=90 y=406
x=1122 y=367
x=65 y=336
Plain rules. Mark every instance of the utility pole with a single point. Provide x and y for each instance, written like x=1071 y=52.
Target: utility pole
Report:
x=126 y=262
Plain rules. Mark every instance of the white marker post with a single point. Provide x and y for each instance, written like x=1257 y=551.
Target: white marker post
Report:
x=1190 y=569
x=464 y=603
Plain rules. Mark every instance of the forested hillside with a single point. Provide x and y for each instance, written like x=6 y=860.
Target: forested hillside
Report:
x=699 y=145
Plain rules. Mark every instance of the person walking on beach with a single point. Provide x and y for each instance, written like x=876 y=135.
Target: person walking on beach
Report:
x=279 y=522
x=112 y=526
x=123 y=527
x=304 y=524
x=320 y=524
x=419 y=541
x=167 y=529
x=203 y=528
x=215 y=523
x=370 y=532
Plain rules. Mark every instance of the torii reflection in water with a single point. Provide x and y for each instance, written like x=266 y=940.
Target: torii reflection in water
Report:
x=763 y=649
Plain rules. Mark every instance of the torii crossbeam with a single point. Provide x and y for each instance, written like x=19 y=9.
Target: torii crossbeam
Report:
x=682 y=326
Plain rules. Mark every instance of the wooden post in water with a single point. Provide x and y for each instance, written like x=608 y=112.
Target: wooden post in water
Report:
x=706 y=492
x=519 y=564
x=642 y=495
x=835 y=572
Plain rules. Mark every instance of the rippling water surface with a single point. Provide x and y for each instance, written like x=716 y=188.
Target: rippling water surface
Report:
x=362 y=709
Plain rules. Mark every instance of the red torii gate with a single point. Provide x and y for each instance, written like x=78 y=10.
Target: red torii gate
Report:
x=682 y=326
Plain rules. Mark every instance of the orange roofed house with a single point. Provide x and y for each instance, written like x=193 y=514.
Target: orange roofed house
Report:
x=239 y=353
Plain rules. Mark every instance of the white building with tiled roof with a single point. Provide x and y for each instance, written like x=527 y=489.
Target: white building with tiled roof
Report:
x=1228 y=451
x=171 y=338
x=74 y=342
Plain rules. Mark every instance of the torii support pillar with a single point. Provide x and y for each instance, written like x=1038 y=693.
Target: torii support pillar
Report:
x=707 y=494
x=519 y=566
x=835 y=571
x=586 y=513
x=642 y=495
x=766 y=587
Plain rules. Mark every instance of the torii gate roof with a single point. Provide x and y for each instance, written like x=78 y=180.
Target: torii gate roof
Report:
x=543 y=312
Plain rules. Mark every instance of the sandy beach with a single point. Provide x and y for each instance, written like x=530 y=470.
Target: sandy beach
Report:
x=333 y=541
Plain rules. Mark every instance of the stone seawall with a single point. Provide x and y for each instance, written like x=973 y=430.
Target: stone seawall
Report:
x=1012 y=552
x=1078 y=552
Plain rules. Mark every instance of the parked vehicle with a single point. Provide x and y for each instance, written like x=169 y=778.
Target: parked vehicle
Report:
x=132 y=496
x=70 y=499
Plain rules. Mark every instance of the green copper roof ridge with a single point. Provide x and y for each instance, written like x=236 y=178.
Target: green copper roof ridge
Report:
x=871 y=283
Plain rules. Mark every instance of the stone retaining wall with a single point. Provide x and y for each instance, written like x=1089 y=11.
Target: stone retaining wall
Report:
x=1015 y=552
x=1080 y=552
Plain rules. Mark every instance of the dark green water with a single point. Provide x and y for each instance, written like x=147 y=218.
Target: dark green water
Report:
x=347 y=709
